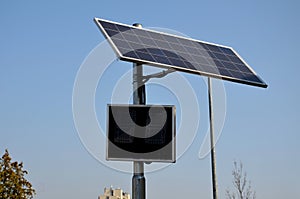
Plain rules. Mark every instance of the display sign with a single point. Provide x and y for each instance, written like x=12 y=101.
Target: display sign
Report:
x=141 y=133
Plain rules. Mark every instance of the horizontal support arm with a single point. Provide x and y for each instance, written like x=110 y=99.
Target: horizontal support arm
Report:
x=158 y=75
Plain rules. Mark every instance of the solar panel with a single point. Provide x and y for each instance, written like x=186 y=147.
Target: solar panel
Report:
x=164 y=50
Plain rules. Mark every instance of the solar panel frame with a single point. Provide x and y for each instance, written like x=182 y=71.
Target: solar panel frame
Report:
x=226 y=57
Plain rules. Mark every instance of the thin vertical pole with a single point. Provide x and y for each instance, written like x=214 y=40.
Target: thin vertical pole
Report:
x=212 y=141
x=139 y=97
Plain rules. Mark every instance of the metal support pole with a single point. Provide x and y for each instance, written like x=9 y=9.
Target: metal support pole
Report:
x=212 y=142
x=139 y=97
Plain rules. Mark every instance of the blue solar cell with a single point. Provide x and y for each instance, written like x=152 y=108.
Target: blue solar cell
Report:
x=237 y=74
x=108 y=25
x=210 y=69
x=220 y=56
x=170 y=39
x=243 y=68
x=200 y=60
x=131 y=54
x=185 y=42
x=122 y=44
x=192 y=50
x=177 y=47
x=158 y=37
x=148 y=41
x=176 y=62
x=252 y=77
x=136 y=46
x=123 y=28
x=187 y=57
x=163 y=45
x=212 y=48
x=145 y=56
x=144 y=50
x=130 y=37
x=227 y=51
x=111 y=33
x=235 y=60
x=161 y=59
x=218 y=64
x=183 y=54
x=229 y=65
x=189 y=65
x=141 y=33
x=171 y=54
x=156 y=51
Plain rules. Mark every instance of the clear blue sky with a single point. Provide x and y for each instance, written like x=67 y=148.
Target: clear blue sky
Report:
x=43 y=44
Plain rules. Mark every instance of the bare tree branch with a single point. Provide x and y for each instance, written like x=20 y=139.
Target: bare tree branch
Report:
x=243 y=188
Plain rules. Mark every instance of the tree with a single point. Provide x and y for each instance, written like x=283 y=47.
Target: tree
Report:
x=13 y=184
x=243 y=188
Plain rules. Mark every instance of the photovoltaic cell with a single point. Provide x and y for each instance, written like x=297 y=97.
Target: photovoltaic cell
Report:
x=183 y=54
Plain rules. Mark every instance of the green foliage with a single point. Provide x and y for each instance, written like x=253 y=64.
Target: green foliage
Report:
x=13 y=184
